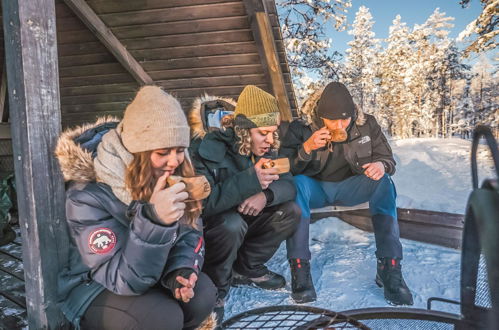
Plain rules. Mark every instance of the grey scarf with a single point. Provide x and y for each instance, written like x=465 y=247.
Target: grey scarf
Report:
x=111 y=163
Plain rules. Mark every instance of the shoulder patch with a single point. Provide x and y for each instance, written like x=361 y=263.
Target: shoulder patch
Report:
x=101 y=240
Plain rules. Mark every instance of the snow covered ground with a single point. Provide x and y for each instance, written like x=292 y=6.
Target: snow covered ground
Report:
x=432 y=174
x=435 y=174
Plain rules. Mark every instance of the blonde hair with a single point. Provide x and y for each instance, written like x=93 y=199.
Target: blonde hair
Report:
x=243 y=136
x=140 y=181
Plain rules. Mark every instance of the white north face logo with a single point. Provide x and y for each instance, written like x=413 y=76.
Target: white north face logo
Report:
x=364 y=139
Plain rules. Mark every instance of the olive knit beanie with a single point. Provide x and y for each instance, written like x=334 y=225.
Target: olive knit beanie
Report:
x=154 y=120
x=256 y=108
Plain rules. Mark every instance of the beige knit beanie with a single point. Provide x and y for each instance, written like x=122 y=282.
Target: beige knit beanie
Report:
x=256 y=108
x=154 y=120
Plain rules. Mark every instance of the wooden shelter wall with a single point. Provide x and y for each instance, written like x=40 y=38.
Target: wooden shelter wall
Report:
x=189 y=47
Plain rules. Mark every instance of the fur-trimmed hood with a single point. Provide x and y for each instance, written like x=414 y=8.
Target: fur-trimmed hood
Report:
x=197 y=111
x=308 y=111
x=75 y=161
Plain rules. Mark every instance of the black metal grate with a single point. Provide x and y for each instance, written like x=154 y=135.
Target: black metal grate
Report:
x=482 y=297
x=394 y=318
x=291 y=317
x=395 y=324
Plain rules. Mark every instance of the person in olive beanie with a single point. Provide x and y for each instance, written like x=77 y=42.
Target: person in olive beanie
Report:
x=250 y=210
x=339 y=156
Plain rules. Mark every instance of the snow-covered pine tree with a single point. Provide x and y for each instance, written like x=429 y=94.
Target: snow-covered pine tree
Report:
x=361 y=61
x=430 y=45
x=464 y=119
x=455 y=70
x=484 y=27
x=393 y=99
x=304 y=25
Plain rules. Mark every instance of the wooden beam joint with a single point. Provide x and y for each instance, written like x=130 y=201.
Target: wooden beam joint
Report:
x=109 y=40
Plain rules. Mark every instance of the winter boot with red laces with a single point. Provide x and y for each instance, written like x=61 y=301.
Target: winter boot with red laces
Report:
x=302 y=287
x=389 y=276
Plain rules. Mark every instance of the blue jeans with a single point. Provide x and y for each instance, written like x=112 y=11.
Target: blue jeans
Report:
x=354 y=190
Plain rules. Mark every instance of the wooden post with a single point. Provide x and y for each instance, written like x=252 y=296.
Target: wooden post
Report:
x=33 y=86
x=109 y=40
x=4 y=111
x=262 y=32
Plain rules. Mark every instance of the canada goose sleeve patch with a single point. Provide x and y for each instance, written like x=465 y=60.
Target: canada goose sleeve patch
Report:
x=101 y=240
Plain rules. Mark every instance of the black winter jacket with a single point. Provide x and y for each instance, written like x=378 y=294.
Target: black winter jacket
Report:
x=366 y=143
x=232 y=176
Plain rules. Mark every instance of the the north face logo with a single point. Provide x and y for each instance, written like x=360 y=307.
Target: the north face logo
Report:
x=364 y=139
x=101 y=240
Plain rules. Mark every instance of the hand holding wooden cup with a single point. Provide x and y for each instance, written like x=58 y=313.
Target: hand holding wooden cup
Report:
x=281 y=164
x=197 y=186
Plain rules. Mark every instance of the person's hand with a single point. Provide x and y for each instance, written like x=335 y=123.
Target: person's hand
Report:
x=318 y=140
x=186 y=292
x=168 y=202
x=265 y=175
x=374 y=170
x=253 y=205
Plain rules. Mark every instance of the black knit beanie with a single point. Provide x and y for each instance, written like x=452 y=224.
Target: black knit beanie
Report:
x=335 y=102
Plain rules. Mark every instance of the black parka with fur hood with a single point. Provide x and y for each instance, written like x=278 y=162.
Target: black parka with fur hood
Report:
x=231 y=175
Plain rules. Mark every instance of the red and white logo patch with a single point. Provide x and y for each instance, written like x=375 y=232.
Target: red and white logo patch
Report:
x=101 y=240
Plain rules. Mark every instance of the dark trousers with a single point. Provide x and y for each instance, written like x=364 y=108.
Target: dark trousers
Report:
x=155 y=309
x=245 y=243
x=381 y=195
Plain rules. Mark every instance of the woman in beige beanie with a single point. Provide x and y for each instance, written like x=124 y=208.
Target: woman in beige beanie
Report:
x=137 y=248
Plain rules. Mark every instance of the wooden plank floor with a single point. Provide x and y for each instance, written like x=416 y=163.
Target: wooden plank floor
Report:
x=12 y=293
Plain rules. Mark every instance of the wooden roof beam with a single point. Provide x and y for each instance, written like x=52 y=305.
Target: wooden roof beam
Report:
x=262 y=32
x=106 y=36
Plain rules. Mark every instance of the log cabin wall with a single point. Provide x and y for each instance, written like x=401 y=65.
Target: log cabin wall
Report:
x=189 y=47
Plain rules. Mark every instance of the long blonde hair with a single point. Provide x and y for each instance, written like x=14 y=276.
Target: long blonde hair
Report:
x=243 y=136
x=140 y=181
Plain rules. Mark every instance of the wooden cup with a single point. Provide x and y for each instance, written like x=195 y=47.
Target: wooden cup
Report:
x=282 y=165
x=197 y=186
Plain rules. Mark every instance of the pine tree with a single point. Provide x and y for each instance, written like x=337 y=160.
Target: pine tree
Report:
x=304 y=25
x=361 y=61
x=484 y=26
x=394 y=63
x=425 y=80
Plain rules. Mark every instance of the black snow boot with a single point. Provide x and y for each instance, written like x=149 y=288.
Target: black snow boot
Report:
x=389 y=276
x=268 y=281
x=302 y=286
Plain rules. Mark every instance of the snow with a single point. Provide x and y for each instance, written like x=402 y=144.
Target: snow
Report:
x=432 y=174
x=435 y=174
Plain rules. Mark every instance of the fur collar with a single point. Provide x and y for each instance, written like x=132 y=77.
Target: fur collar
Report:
x=308 y=110
x=75 y=162
x=193 y=115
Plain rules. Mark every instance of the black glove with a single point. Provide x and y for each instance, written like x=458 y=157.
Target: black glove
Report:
x=169 y=280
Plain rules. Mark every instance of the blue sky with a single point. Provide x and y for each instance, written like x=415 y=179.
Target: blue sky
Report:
x=412 y=12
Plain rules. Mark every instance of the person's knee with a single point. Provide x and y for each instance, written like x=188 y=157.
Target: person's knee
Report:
x=292 y=210
x=233 y=226
x=201 y=305
x=287 y=217
x=301 y=183
x=387 y=187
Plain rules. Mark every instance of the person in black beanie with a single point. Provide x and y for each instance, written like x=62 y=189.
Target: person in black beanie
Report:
x=339 y=156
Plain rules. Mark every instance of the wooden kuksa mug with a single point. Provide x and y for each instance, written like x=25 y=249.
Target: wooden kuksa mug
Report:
x=282 y=165
x=197 y=186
